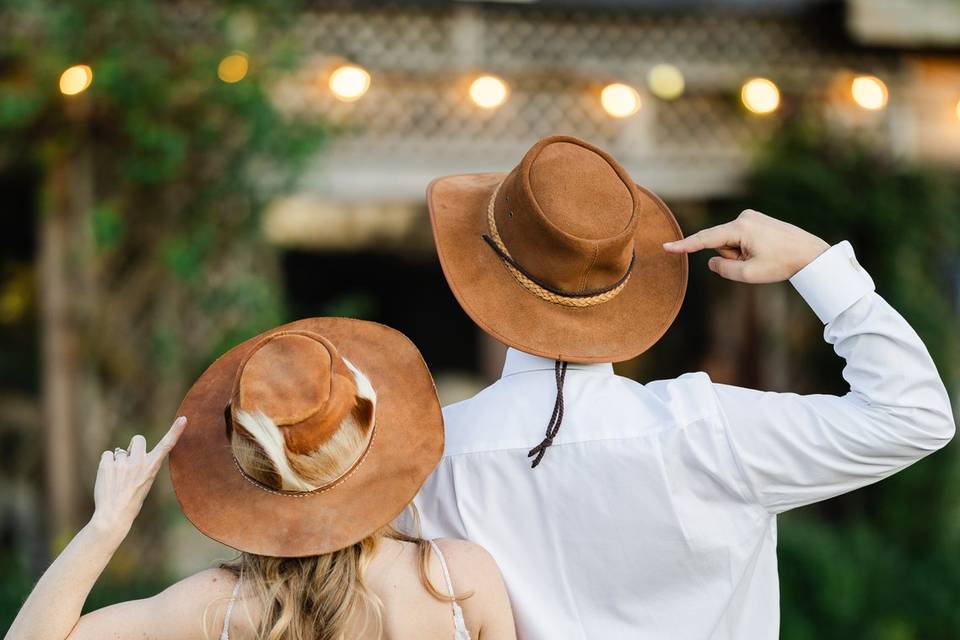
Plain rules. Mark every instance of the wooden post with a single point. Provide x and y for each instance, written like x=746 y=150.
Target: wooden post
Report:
x=58 y=350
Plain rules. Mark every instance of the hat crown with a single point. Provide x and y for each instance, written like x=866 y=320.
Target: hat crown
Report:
x=300 y=381
x=567 y=214
x=579 y=192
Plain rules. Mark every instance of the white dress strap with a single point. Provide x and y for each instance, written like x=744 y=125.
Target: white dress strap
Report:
x=225 y=634
x=460 y=631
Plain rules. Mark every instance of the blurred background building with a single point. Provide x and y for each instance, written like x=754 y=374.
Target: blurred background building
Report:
x=682 y=93
x=254 y=162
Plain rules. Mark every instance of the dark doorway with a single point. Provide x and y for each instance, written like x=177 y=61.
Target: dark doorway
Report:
x=407 y=293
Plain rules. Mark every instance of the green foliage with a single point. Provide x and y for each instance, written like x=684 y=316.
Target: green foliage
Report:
x=110 y=589
x=859 y=581
x=107 y=226
x=357 y=304
x=14 y=587
x=881 y=562
x=158 y=174
x=182 y=163
x=902 y=219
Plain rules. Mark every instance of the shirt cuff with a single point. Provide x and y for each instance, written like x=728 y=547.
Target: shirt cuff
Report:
x=832 y=282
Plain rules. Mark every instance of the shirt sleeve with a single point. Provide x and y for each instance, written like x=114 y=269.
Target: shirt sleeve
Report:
x=793 y=449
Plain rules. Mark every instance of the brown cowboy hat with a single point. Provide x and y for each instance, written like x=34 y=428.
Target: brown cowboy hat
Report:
x=562 y=257
x=306 y=376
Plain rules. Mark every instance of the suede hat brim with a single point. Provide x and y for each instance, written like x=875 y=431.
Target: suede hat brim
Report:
x=613 y=331
x=406 y=445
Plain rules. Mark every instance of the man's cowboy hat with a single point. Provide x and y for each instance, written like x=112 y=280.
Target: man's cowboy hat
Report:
x=562 y=257
x=306 y=376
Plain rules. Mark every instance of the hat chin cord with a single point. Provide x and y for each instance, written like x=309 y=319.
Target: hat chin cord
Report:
x=560 y=369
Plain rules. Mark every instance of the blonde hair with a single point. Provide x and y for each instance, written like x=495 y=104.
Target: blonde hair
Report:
x=314 y=597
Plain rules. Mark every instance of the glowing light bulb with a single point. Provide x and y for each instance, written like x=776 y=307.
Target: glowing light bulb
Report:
x=958 y=109
x=666 y=81
x=234 y=67
x=75 y=79
x=349 y=82
x=760 y=96
x=489 y=92
x=869 y=92
x=620 y=100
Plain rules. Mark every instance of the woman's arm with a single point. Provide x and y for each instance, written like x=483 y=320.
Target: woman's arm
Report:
x=192 y=608
x=53 y=608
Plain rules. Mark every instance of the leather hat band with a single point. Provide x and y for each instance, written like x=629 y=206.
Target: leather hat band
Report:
x=541 y=289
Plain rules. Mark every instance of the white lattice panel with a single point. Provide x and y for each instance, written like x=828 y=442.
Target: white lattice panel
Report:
x=417 y=120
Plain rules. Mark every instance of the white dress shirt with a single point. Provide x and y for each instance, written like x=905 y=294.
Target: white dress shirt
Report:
x=653 y=515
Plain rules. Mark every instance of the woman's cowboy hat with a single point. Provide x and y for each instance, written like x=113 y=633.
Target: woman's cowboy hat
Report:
x=562 y=257
x=306 y=376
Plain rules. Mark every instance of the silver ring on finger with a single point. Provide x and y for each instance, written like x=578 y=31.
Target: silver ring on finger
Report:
x=119 y=450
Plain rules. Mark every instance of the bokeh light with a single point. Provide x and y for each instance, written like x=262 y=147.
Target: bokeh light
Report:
x=75 y=79
x=760 y=96
x=349 y=82
x=958 y=109
x=489 y=92
x=869 y=92
x=234 y=67
x=665 y=81
x=620 y=100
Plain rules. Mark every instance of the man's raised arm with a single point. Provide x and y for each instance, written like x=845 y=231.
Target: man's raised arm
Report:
x=795 y=450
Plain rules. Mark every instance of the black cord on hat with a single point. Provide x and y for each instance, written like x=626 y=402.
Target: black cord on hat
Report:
x=554 y=425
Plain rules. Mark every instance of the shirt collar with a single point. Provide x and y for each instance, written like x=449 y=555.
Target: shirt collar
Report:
x=520 y=362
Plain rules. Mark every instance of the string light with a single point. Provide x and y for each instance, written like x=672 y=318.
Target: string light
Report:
x=760 y=96
x=665 y=81
x=234 y=67
x=349 y=82
x=620 y=100
x=75 y=79
x=489 y=92
x=869 y=92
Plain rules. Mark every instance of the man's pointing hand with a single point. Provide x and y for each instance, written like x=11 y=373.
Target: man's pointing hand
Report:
x=754 y=248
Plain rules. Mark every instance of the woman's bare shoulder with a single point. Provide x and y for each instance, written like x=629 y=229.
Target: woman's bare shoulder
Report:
x=476 y=575
x=199 y=601
x=208 y=583
x=468 y=560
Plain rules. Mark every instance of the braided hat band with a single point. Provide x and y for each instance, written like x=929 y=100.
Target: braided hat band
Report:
x=541 y=289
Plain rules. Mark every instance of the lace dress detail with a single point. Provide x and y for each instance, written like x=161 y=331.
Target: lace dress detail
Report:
x=459 y=626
